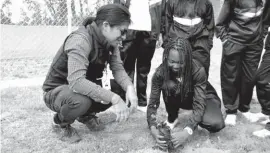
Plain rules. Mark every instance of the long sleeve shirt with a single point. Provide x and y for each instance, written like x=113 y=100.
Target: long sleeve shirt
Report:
x=199 y=79
x=72 y=62
x=240 y=21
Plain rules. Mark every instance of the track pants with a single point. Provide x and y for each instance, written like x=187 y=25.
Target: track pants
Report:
x=238 y=67
x=263 y=79
x=139 y=46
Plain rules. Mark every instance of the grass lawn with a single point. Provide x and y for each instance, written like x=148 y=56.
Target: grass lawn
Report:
x=27 y=125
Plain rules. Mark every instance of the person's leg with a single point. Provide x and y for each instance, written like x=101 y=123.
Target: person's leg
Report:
x=145 y=54
x=250 y=61
x=171 y=104
x=229 y=76
x=98 y=107
x=90 y=119
x=201 y=52
x=264 y=132
x=129 y=53
x=68 y=106
x=212 y=119
x=263 y=80
x=263 y=89
x=172 y=109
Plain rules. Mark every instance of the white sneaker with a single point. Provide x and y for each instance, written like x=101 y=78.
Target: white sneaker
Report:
x=230 y=119
x=265 y=121
x=262 y=116
x=142 y=109
x=254 y=117
x=262 y=133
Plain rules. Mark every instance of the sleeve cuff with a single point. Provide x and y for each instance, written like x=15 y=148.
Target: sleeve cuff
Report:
x=106 y=96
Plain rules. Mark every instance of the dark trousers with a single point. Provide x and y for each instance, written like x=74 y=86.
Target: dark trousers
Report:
x=70 y=105
x=212 y=119
x=267 y=126
x=201 y=51
x=238 y=67
x=140 y=46
x=263 y=80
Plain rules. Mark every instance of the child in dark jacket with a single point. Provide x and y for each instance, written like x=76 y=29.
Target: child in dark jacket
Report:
x=183 y=83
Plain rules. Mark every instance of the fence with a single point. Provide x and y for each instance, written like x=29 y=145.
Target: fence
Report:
x=36 y=28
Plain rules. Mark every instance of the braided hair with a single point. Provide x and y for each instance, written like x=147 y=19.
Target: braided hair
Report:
x=184 y=49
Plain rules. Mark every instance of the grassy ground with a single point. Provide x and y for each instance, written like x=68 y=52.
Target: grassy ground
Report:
x=27 y=125
x=24 y=68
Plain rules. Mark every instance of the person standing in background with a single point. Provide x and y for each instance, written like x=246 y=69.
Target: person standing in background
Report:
x=192 y=20
x=263 y=77
x=138 y=48
x=240 y=28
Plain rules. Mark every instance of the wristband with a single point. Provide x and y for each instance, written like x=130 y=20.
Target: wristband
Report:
x=189 y=130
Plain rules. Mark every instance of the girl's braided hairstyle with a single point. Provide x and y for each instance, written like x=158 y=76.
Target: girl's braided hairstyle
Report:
x=184 y=49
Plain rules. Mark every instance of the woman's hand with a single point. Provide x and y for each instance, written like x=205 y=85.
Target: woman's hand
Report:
x=120 y=107
x=131 y=97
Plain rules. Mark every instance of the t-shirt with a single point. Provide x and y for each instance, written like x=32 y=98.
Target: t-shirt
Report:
x=140 y=15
